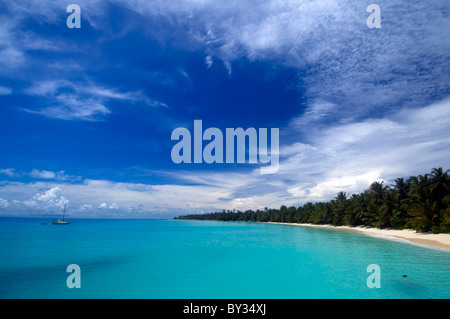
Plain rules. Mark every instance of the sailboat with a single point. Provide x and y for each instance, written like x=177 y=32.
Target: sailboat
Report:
x=62 y=221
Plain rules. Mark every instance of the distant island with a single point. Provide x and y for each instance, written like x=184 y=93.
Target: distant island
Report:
x=419 y=202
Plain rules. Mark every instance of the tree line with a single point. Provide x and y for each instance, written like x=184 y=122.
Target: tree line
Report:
x=419 y=202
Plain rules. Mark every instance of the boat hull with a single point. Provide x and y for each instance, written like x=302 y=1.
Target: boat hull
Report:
x=60 y=222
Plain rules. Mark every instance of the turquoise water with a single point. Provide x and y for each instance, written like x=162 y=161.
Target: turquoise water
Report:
x=203 y=259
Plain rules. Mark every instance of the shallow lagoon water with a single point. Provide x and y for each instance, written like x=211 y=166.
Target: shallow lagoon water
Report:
x=209 y=259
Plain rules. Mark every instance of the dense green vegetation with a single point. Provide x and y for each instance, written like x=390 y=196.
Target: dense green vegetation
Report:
x=419 y=202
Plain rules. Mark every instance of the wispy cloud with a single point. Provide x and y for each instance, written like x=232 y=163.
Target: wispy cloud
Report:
x=51 y=175
x=16 y=42
x=4 y=203
x=5 y=90
x=70 y=107
x=81 y=101
x=9 y=172
x=42 y=174
x=209 y=61
x=10 y=55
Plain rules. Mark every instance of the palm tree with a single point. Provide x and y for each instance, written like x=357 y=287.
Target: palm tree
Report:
x=377 y=191
x=360 y=208
x=423 y=216
x=439 y=183
x=402 y=188
x=427 y=192
x=419 y=190
x=339 y=207
x=386 y=210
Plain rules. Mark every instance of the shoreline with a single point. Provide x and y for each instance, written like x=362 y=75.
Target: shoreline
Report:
x=440 y=241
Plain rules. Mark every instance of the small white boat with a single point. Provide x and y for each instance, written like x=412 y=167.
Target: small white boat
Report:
x=62 y=221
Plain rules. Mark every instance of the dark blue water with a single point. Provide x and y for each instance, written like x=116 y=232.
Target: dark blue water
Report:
x=202 y=259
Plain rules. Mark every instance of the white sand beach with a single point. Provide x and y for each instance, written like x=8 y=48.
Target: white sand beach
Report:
x=441 y=241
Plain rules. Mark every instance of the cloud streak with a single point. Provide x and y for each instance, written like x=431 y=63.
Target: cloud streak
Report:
x=81 y=101
x=5 y=90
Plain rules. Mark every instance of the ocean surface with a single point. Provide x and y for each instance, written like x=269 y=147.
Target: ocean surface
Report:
x=209 y=259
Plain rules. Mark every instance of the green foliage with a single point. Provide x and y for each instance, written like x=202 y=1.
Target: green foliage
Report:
x=419 y=202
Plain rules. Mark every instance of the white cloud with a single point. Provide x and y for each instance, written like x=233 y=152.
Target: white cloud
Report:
x=106 y=206
x=47 y=88
x=15 y=41
x=209 y=61
x=9 y=172
x=12 y=55
x=51 y=200
x=330 y=186
x=74 y=108
x=315 y=114
x=103 y=205
x=42 y=174
x=59 y=175
x=5 y=90
x=81 y=101
x=227 y=65
x=348 y=157
x=4 y=203
x=51 y=194
x=102 y=92
x=114 y=206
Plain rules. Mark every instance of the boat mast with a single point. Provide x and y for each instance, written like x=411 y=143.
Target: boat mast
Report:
x=64 y=213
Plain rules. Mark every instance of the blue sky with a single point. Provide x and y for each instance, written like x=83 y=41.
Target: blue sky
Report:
x=86 y=114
